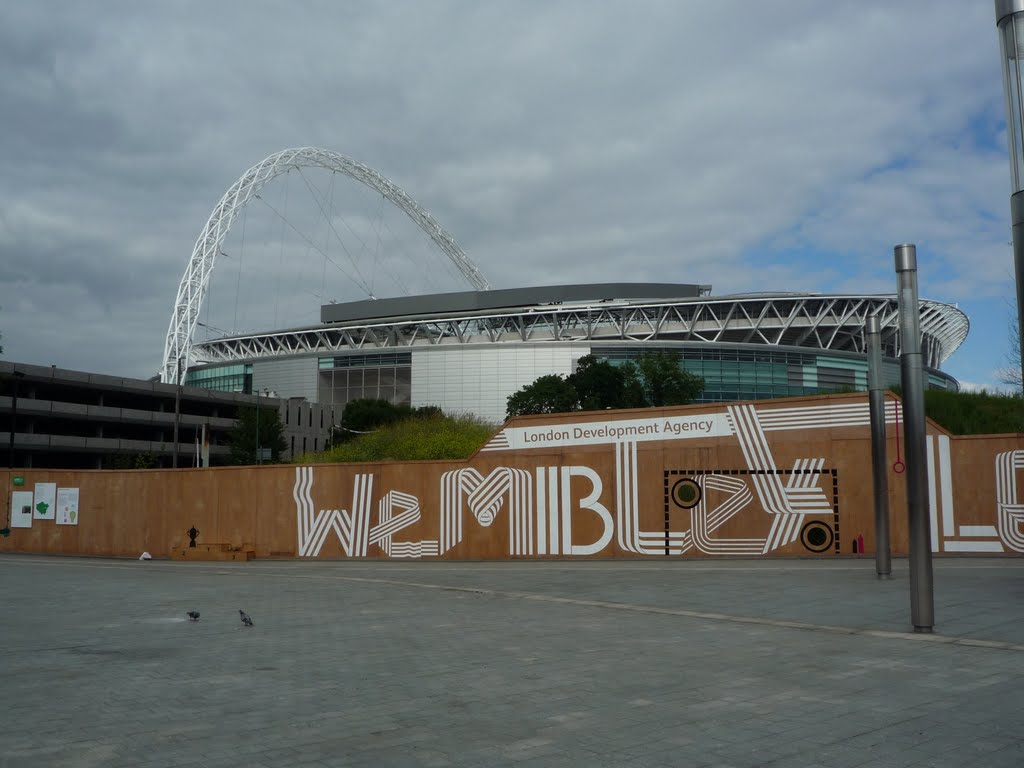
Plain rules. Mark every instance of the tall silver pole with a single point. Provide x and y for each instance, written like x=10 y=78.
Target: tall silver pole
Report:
x=258 y=456
x=177 y=412
x=16 y=375
x=922 y=594
x=1010 y=25
x=879 y=467
x=1017 y=212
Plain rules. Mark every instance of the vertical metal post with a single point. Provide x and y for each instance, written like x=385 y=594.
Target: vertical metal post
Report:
x=177 y=411
x=879 y=465
x=922 y=595
x=1010 y=26
x=16 y=375
x=258 y=454
x=1017 y=212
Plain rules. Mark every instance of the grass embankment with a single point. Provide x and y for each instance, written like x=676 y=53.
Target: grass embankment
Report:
x=443 y=437
x=975 y=413
x=436 y=437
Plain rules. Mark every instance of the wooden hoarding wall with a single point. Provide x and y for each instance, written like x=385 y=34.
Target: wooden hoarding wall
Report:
x=786 y=477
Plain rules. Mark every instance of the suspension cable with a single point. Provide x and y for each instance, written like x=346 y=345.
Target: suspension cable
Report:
x=355 y=266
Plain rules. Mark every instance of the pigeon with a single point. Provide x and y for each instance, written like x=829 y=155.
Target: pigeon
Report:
x=245 y=618
x=193 y=615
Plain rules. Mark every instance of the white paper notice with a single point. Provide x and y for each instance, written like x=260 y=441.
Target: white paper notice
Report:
x=21 y=509
x=67 y=506
x=46 y=501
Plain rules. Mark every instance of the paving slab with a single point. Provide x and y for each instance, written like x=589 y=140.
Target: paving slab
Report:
x=741 y=663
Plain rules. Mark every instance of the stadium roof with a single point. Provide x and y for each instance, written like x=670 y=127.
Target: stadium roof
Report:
x=507 y=298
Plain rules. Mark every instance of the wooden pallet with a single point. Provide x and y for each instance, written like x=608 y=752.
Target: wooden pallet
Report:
x=212 y=552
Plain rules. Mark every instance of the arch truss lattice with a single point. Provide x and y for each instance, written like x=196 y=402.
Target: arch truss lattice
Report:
x=195 y=281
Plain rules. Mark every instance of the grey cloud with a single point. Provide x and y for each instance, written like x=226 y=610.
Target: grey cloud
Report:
x=557 y=141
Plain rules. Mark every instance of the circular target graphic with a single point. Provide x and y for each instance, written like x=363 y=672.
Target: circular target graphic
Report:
x=686 y=493
x=816 y=536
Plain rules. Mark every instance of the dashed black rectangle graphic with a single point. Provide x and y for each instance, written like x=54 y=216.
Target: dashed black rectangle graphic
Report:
x=689 y=472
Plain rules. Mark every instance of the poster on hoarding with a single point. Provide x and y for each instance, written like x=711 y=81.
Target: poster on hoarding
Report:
x=21 y=509
x=67 y=506
x=45 y=506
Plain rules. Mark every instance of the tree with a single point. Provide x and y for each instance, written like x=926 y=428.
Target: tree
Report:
x=548 y=394
x=132 y=461
x=655 y=379
x=664 y=381
x=1011 y=373
x=254 y=428
x=598 y=384
x=633 y=395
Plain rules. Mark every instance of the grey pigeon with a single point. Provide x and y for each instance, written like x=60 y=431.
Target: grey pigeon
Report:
x=245 y=618
x=193 y=615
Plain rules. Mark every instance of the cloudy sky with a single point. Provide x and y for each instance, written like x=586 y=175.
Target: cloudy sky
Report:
x=757 y=146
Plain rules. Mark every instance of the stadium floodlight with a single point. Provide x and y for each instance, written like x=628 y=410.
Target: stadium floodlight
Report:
x=1010 y=23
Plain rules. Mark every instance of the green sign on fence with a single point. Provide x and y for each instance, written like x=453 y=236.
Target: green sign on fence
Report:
x=19 y=480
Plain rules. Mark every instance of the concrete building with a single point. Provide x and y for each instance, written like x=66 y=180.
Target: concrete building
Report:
x=73 y=419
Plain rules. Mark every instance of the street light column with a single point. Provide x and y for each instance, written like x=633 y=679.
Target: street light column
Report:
x=1010 y=24
x=177 y=412
x=17 y=376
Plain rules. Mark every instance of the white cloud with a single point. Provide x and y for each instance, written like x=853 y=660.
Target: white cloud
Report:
x=765 y=147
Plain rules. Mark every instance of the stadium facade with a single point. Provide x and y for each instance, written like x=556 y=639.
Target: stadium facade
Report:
x=468 y=351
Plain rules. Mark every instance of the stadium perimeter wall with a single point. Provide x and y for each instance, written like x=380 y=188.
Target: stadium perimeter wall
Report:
x=785 y=477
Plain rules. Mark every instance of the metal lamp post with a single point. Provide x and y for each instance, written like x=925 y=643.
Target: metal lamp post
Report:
x=258 y=454
x=879 y=470
x=17 y=376
x=922 y=592
x=1010 y=23
x=177 y=411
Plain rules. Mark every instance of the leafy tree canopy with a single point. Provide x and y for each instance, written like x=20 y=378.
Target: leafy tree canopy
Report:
x=655 y=379
x=252 y=428
x=548 y=394
x=664 y=381
x=598 y=384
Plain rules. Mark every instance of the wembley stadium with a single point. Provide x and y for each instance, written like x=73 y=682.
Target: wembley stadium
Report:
x=467 y=351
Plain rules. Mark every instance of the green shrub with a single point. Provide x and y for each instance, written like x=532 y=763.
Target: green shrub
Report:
x=975 y=413
x=436 y=437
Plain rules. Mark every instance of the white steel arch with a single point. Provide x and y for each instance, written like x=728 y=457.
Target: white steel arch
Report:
x=192 y=290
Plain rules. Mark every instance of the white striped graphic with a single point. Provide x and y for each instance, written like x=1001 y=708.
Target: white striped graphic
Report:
x=627 y=518
x=942 y=514
x=303 y=506
x=351 y=528
x=933 y=510
x=822 y=416
x=946 y=485
x=703 y=522
x=1009 y=509
x=485 y=498
x=414 y=549
x=497 y=443
x=408 y=507
x=979 y=547
x=787 y=504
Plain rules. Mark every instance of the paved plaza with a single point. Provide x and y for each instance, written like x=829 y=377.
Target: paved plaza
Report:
x=780 y=663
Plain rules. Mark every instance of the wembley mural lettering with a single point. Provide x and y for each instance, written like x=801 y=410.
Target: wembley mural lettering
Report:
x=763 y=479
x=567 y=510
